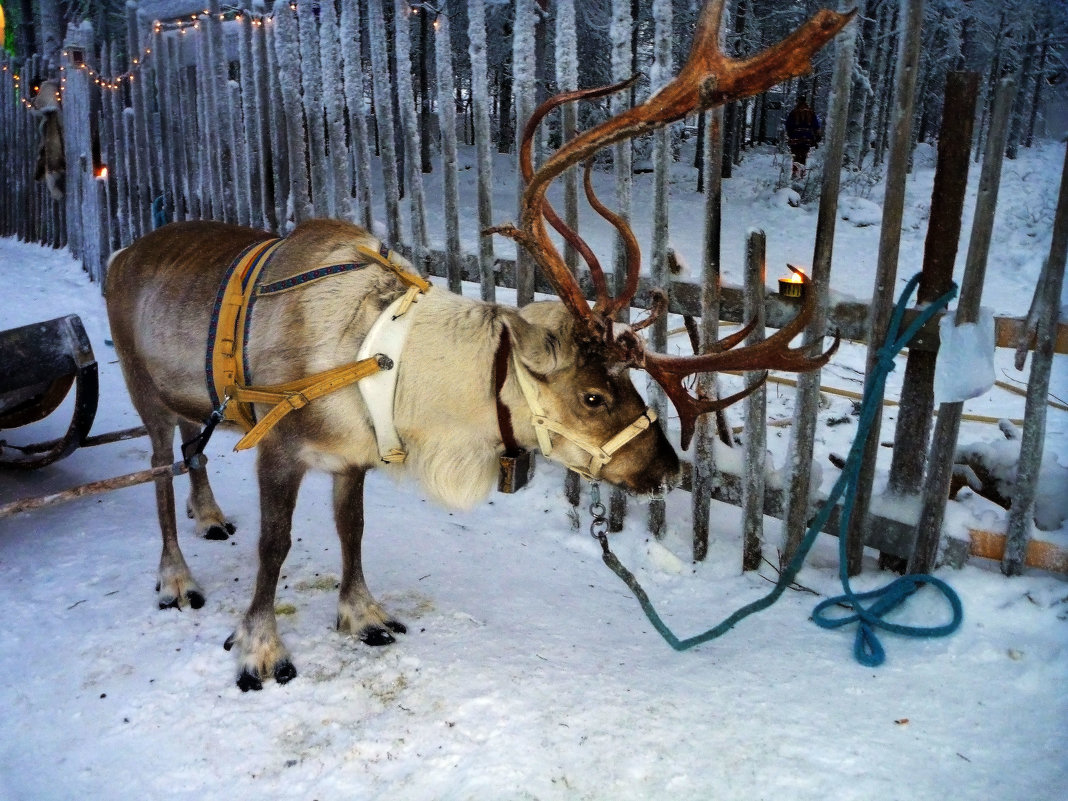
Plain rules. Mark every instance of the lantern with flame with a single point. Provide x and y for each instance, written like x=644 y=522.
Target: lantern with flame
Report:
x=101 y=172
x=792 y=286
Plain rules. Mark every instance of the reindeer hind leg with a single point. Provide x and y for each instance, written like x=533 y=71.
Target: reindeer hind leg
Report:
x=211 y=523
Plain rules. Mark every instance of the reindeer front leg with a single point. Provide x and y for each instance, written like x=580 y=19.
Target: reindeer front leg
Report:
x=262 y=651
x=357 y=611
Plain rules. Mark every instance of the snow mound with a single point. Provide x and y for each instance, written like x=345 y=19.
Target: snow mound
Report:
x=860 y=211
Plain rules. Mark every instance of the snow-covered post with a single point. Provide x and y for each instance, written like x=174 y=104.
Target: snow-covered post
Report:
x=113 y=132
x=476 y=35
x=523 y=86
x=167 y=88
x=140 y=163
x=704 y=461
x=311 y=80
x=239 y=157
x=383 y=97
x=756 y=406
x=566 y=81
x=807 y=399
x=207 y=123
x=288 y=58
x=279 y=134
x=658 y=263
x=354 y=102
x=334 y=102
x=1042 y=324
x=620 y=33
x=221 y=119
x=410 y=128
x=250 y=115
x=944 y=441
x=196 y=150
x=883 y=293
x=262 y=116
x=447 y=115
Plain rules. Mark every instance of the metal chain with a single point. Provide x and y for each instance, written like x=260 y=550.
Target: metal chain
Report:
x=599 y=525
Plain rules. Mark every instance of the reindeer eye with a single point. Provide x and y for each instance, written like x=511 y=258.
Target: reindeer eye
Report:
x=593 y=400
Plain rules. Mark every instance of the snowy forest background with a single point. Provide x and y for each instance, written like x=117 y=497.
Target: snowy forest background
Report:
x=1023 y=38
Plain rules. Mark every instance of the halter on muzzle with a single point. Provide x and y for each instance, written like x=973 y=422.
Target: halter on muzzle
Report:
x=600 y=455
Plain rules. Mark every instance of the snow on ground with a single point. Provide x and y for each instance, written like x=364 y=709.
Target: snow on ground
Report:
x=529 y=671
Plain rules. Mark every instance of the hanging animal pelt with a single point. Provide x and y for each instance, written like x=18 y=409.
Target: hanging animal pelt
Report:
x=51 y=161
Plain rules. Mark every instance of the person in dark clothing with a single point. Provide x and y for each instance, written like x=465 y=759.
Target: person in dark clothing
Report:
x=803 y=131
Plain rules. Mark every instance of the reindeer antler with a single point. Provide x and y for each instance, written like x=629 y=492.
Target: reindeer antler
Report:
x=709 y=78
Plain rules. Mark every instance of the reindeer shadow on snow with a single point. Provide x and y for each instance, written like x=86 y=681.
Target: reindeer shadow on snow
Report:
x=359 y=364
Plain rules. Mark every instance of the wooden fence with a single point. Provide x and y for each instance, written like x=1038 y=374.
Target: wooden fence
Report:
x=267 y=119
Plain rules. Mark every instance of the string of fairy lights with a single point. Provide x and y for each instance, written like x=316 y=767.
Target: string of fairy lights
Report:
x=116 y=82
x=182 y=25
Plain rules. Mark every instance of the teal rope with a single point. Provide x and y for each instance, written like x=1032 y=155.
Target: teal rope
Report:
x=867 y=649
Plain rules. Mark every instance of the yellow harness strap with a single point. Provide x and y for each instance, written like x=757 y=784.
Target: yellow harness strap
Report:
x=227 y=340
x=295 y=394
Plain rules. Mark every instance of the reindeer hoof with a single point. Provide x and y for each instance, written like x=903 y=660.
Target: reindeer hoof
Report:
x=396 y=627
x=284 y=671
x=219 y=532
x=230 y=641
x=249 y=681
x=376 y=636
x=195 y=599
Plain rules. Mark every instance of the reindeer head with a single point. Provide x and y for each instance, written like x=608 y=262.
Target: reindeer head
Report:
x=708 y=79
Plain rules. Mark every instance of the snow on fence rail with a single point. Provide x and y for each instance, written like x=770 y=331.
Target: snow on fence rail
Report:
x=231 y=116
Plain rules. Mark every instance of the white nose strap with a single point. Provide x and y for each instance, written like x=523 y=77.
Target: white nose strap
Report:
x=600 y=455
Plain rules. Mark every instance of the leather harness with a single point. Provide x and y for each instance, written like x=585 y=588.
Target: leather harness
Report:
x=226 y=362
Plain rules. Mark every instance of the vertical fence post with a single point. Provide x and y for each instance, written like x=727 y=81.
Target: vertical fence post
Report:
x=447 y=115
x=944 y=441
x=476 y=33
x=334 y=106
x=806 y=403
x=311 y=82
x=383 y=98
x=279 y=131
x=523 y=87
x=756 y=406
x=410 y=127
x=658 y=262
x=940 y=254
x=141 y=186
x=889 y=246
x=251 y=117
x=1043 y=317
x=221 y=122
x=355 y=104
x=288 y=56
x=264 y=117
x=621 y=26
x=704 y=464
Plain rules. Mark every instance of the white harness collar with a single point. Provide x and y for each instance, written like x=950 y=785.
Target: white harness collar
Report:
x=600 y=455
x=387 y=336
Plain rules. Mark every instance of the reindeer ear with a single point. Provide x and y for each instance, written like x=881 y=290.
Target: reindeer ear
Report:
x=542 y=348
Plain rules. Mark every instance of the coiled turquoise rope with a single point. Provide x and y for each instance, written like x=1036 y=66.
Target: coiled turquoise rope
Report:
x=866 y=647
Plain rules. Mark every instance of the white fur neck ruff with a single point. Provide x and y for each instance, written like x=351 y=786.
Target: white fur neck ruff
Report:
x=600 y=455
x=387 y=336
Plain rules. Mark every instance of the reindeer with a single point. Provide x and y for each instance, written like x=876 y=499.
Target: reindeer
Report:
x=471 y=380
x=51 y=159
